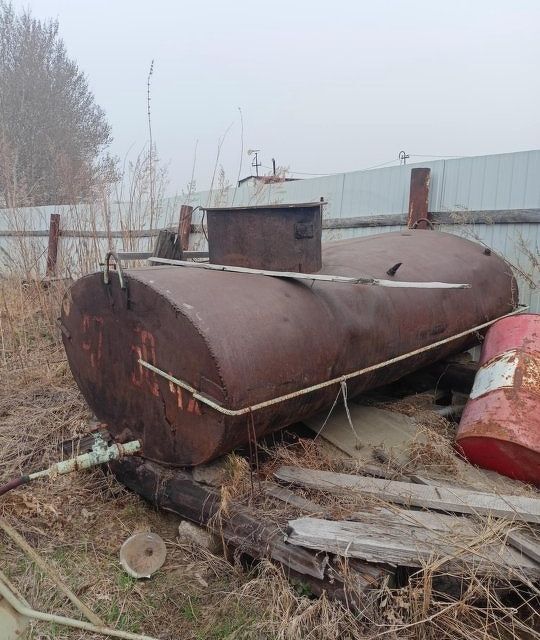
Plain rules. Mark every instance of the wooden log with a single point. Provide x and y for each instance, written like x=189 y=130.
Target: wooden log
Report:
x=438 y=497
x=385 y=538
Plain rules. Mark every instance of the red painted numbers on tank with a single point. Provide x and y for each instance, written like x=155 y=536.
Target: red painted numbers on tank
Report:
x=190 y=404
x=144 y=349
x=92 y=330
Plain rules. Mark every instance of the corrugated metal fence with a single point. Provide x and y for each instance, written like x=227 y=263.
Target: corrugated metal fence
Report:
x=459 y=187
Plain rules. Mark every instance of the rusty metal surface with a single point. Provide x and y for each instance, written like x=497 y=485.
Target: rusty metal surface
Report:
x=275 y=237
x=418 y=215
x=244 y=338
x=500 y=426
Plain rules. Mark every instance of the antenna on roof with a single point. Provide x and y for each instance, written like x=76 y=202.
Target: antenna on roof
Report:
x=403 y=157
x=255 y=163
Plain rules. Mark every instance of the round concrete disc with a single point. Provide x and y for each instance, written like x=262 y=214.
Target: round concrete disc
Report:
x=142 y=554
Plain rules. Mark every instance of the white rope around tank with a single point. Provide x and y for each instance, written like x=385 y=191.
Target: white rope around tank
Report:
x=204 y=399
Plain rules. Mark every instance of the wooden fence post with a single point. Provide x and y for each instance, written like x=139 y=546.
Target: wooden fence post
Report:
x=419 y=199
x=52 y=250
x=184 y=226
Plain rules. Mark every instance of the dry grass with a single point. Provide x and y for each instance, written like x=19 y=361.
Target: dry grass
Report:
x=78 y=523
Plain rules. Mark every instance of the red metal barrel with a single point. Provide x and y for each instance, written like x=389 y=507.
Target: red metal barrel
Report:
x=500 y=427
x=242 y=339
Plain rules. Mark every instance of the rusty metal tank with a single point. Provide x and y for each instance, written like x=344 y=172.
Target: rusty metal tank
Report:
x=500 y=426
x=241 y=339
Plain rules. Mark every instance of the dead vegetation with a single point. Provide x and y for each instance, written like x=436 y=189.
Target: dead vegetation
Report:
x=77 y=523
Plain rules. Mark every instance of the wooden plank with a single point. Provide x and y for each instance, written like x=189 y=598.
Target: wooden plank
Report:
x=419 y=198
x=410 y=546
x=310 y=276
x=167 y=246
x=509 y=216
x=134 y=255
x=80 y=233
x=195 y=254
x=144 y=255
x=184 y=226
x=373 y=426
x=442 y=498
x=516 y=539
x=381 y=220
x=290 y=498
x=457 y=525
x=524 y=543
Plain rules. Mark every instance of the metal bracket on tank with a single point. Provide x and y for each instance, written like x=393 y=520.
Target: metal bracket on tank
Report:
x=426 y=220
x=121 y=277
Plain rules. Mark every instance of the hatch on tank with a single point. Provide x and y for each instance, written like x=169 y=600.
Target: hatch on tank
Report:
x=279 y=237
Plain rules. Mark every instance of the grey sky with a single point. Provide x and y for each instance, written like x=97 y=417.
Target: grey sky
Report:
x=323 y=86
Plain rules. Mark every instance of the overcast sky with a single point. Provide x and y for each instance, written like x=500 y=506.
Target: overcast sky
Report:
x=324 y=87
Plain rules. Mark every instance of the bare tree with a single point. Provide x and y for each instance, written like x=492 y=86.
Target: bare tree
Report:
x=53 y=136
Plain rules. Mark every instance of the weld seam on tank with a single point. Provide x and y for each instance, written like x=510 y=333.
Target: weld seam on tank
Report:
x=261 y=405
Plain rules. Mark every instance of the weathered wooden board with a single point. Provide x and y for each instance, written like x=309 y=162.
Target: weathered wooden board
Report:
x=386 y=539
x=525 y=544
x=290 y=498
x=374 y=428
x=442 y=498
x=508 y=216
x=429 y=520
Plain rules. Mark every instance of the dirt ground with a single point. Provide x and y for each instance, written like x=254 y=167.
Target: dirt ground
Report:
x=78 y=523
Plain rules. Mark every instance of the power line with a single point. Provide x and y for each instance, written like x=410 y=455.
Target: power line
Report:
x=375 y=166
x=335 y=173
x=433 y=155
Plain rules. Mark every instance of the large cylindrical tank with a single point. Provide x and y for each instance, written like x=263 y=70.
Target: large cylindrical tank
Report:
x=243 y=339
x=500 y=427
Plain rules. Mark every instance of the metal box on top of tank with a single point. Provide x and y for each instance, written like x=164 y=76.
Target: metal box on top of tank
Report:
x=277 y=237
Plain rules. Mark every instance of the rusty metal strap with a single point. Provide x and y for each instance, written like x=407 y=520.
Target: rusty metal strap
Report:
x=204 y=399
x=367 y=280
